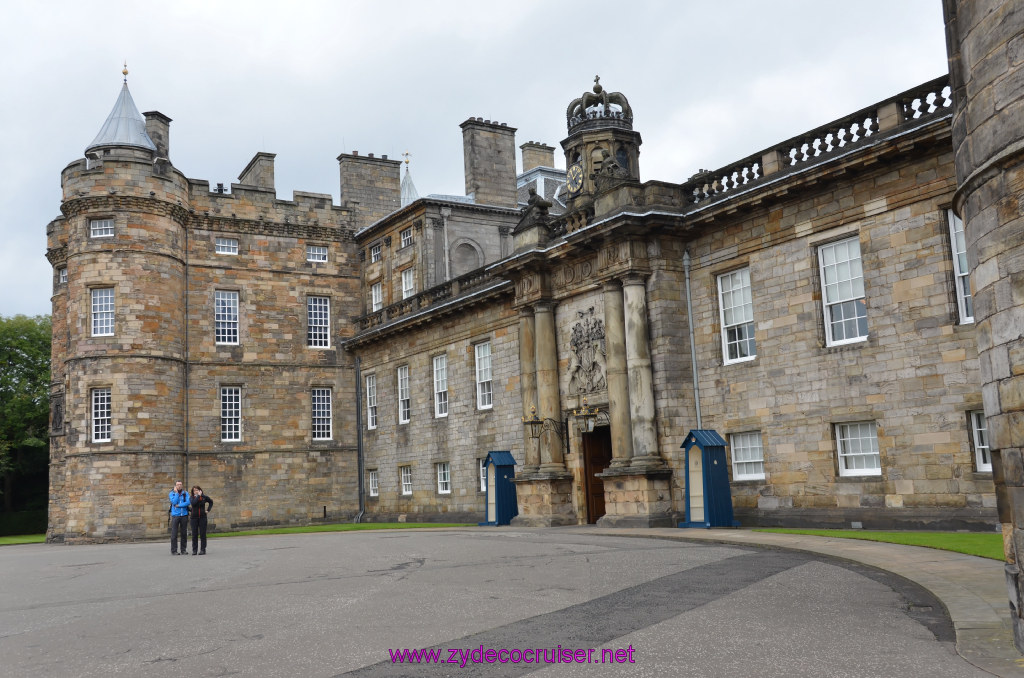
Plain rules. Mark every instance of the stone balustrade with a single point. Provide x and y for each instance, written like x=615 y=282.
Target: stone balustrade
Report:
x=438 y=293
x=913 y=107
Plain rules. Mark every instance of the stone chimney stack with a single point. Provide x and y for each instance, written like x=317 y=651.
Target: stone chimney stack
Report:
x=259 y=172
x=536 y=154
x=489 y=153
x=158 y=127
x=370 y=186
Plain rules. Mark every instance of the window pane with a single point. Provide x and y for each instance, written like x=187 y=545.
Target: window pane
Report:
x=226 y=246
x=858 y=449
x=101 y=228
x=103 y=312
x=101 y=415
x=440 y=386
x=225 y=317
x=483 y=375
x=321 y=399
x=737 y=308
x=231 y=413
x=403 y=394
x=747 y=456
x=316 y=253
x=318 y=328
x=371 y=401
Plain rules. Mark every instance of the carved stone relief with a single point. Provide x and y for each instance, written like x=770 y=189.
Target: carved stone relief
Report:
x=587 y=355
x=57 y=414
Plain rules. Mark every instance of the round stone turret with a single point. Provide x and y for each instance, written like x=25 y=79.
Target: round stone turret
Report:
x=119 y=250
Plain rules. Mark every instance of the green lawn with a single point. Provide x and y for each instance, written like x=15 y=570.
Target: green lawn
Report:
x=23 y=539
x=984 y=544
x=336 y=527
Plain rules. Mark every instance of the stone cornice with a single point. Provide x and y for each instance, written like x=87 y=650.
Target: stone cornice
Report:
x=57 y=255
x=125 y=203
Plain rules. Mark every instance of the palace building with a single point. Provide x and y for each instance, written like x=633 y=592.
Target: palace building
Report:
x=315 y=360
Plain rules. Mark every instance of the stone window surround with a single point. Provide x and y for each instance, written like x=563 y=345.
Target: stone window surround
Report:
x=375 y=251
x=372 y=483
x=405 y=237
x=62 y=275
x=723 y=329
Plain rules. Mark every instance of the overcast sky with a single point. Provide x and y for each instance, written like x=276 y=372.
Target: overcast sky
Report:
x=709 y=83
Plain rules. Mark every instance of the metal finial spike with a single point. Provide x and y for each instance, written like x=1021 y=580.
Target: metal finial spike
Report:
x=124 y=72
x=407 y=155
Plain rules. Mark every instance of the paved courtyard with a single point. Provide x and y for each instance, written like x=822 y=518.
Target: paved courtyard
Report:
x=337 y=603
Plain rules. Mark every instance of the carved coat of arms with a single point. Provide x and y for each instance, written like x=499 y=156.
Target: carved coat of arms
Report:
x=587 y=355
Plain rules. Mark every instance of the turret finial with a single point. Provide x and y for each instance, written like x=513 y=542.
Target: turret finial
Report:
x=124 y=72
x=597 y=84
x=407 y=155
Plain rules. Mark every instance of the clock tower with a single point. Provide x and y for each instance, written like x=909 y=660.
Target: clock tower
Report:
x=602 y=150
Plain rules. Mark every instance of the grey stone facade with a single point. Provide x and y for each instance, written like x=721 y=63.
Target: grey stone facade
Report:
x=544 y=308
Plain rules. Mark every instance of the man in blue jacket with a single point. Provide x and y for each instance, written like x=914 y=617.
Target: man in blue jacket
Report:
x=180 y=501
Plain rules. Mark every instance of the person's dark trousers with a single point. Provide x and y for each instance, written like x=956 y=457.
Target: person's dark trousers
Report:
x=199 y=533
x=179 y=523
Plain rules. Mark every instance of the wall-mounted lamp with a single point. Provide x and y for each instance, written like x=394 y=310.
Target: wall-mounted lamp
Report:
x=588 y=417
x=535 y=426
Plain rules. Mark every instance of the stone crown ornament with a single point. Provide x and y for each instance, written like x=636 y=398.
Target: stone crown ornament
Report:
x=598 y=105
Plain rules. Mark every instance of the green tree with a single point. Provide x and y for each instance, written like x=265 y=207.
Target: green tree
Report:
x=24 y=410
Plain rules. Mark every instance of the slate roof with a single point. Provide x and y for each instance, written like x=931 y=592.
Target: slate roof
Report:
x=125 y=126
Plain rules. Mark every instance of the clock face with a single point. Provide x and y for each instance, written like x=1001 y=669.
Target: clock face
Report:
x=574 y=178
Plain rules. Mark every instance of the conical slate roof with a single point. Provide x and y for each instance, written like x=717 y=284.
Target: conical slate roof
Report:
x=409 y=193
x=125 y=126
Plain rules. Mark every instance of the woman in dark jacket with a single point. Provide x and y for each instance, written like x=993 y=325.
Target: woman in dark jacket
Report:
x=201 y=504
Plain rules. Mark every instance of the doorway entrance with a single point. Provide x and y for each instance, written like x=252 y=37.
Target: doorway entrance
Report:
x=597 y=456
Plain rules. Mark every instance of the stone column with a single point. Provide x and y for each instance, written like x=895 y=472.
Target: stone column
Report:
x=641 y=379
x=618 y=382
x=548 y=406
x=985 y=43
x=528 y=383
